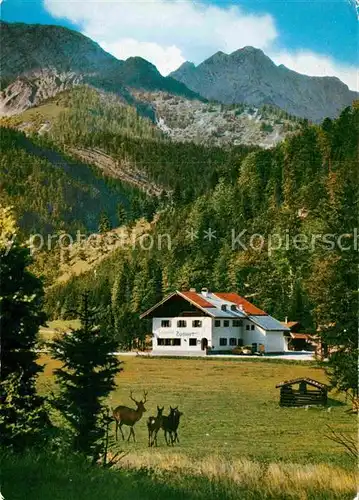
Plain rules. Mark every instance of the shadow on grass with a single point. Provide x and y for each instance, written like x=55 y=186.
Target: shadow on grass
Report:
x=45 y=477
x=335 y=402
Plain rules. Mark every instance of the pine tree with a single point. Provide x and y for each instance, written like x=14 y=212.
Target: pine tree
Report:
x=104 y=223
x=121 y=214
x=86 y=378
x=22 y=415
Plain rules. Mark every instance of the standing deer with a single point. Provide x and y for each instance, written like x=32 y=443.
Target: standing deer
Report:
x=176 y=420
x=128 y=416
x=154 y=425
x=170 y=425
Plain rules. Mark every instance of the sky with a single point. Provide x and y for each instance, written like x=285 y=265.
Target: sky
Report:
x=314 y=37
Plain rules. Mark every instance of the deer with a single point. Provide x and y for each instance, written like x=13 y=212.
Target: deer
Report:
x=175 y=420
x=154 y=425
x=170 y=424
x=128 y=416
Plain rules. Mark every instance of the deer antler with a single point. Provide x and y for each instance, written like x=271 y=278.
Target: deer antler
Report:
x=133 y=399
x=145 y=396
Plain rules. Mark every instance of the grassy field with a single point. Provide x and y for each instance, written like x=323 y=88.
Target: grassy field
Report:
x=47 y=477
x=231 y=410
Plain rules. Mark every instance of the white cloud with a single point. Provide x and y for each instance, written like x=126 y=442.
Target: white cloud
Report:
x=312 y=64
x=168 y=32
x=176 y=28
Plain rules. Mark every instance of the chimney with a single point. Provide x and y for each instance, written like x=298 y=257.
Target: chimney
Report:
x=204 y=292
x=192 y=290
x=286 y=319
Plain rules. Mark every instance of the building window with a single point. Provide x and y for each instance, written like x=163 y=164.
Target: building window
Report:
x=232 y=341
x=165 y=323
x=168 y=341
x=247 y=327
x=217 y=322
x=192 y=342
x=197 y=323
x=237 y=322
x=240 y=342
x=226 y=322
x=252 y=327
x=181 y=323
x=222 y=341
x=224 y=307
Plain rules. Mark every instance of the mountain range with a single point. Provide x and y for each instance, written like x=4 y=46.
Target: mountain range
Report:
x=38 y=61
x=249 y=76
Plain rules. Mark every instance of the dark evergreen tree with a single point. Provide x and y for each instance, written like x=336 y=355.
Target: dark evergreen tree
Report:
x=22 y=415
x=87 y=376
x=104 y=223
x=121 y=214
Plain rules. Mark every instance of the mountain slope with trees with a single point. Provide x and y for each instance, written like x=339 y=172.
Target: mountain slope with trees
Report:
x=307 y=186
x=51 y=192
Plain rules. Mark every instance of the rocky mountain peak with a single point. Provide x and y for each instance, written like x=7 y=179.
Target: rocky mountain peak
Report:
x=249 y=76
x=53 y=58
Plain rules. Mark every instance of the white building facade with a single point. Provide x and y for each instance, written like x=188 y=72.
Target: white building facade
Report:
x=194 y=324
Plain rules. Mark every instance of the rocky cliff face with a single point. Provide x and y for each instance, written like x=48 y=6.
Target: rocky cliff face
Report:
x=218 y=124
x=249 y=76
x=26 y=92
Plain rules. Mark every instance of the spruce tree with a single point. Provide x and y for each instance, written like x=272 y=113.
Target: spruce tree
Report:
x=22 y=415
x=87 y=376
x=104 y=223
x=121 y=214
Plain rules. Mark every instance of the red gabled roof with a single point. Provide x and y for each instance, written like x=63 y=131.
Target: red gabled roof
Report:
x=196 y=299
x=200 y=301
x=249 y=308
x=193 y=297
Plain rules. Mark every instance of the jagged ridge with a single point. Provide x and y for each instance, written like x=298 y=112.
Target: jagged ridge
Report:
x=249 y=76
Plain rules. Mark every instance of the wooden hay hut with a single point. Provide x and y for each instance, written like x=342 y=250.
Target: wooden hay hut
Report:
x=307 y=392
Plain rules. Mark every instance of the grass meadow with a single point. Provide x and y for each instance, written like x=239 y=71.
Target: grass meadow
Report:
x=236 y=443
x=230 y=408
x=42 y=477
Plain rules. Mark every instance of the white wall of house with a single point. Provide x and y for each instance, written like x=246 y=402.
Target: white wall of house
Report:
x=273 y=341
x=225 y=332
x=276 y=342
x=184 y=334
x=253 y=333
